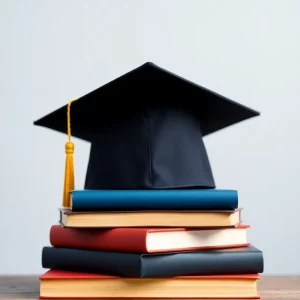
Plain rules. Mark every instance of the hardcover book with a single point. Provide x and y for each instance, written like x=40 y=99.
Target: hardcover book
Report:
x=60 y=284
x=148 y=240
x=241 y=260
x=168 y=199
x=112 y=219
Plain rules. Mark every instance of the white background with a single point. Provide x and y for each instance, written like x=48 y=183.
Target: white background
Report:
x=54 y=50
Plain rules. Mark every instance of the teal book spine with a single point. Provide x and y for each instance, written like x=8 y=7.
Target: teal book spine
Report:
x=135 y=200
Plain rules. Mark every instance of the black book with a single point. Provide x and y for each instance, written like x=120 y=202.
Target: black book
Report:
x=243 y=260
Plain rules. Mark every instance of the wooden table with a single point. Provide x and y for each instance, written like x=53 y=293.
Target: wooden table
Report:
x=270 y=287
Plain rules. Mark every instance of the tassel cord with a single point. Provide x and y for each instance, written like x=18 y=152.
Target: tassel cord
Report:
x=69 y=182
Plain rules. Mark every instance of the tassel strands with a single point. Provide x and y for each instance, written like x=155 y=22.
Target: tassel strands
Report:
x=69 y=183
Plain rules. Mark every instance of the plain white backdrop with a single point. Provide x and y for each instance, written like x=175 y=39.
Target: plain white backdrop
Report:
x=52 y=51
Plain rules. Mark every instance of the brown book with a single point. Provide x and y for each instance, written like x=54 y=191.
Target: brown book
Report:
x=62 y=284
x=222 y=218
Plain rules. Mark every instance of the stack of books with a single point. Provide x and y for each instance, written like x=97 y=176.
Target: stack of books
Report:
x=151 y=244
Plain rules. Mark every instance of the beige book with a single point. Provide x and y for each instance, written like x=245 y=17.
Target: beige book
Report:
x=186 y=219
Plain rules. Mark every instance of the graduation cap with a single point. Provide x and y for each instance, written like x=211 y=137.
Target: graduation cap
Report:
x=145 y=129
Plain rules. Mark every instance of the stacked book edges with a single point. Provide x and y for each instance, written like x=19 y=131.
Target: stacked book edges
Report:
x=158 y=244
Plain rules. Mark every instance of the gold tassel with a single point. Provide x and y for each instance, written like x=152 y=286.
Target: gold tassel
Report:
x=69 y=184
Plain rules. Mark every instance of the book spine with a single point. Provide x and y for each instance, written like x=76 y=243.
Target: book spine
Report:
x=112 y=239
x=107 y=200
x=90 y=261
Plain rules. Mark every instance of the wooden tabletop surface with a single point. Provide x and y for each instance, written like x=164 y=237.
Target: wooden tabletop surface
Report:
x=270 y=287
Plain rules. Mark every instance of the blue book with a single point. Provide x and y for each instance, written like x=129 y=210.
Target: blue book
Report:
x=135 y=200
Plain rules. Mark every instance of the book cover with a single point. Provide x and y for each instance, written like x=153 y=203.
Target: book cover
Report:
x=180 y=199
x=241 y=260
x=148 y=240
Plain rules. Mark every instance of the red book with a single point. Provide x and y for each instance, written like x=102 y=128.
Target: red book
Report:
x=62 y=284
x=148 y=240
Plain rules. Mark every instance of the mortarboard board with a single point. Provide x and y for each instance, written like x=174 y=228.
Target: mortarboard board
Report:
x=145 y=129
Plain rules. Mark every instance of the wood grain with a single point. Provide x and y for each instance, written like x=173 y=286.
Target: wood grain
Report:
x=270 y=287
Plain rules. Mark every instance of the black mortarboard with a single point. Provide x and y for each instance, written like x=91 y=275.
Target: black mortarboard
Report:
x=146 y=130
